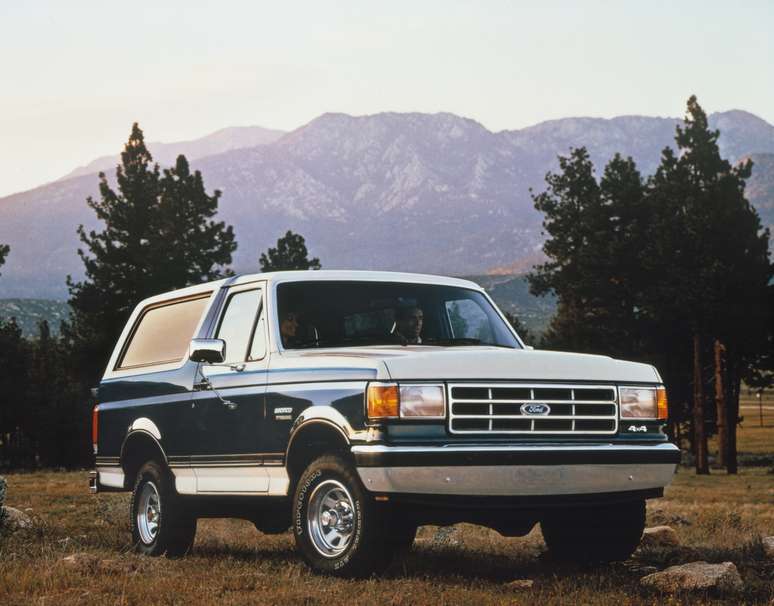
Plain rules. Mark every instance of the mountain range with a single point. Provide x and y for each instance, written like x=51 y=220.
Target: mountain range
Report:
x=415 y=192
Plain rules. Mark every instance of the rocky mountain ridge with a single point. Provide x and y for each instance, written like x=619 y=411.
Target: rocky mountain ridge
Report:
x=415 y=192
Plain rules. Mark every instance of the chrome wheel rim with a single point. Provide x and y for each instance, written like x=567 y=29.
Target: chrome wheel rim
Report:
x=148 y=513
x=331 y=518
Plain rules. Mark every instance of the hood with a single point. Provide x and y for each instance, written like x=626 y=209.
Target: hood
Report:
x=482 y=363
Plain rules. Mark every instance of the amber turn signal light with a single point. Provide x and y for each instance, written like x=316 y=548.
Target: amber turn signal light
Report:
x=383 y=401
x=662 y=404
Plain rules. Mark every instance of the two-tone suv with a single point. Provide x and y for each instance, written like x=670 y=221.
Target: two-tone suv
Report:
x=354 y=407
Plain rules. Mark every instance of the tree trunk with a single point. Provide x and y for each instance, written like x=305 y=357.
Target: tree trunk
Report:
x=733 y=380
x=699 y=436
x=720 y=405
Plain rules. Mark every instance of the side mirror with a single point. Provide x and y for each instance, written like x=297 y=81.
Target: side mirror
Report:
x=209 y=351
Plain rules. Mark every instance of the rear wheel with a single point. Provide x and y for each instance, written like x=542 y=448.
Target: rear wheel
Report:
x=595 y=534
x=337 y=526
x=159 y=522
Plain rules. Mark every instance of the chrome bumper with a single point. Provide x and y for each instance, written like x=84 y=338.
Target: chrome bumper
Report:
x=515 y=471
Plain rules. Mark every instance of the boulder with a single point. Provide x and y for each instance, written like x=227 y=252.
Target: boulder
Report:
x=768 y=547
x=520 y=584
x=659 y=536
x=14 y=519
x=695 y=576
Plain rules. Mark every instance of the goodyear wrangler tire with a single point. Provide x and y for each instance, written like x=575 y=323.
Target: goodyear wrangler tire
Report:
x=595 y=535
x=339 y=530
x=159 y=522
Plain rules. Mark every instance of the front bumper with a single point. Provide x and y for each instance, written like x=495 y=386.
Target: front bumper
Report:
x=545 y=470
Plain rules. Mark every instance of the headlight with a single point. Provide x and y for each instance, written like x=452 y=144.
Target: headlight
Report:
x=422 y=401
x=644 y=402
x=415 y=401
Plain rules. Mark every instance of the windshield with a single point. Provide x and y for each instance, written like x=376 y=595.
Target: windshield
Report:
x=336 y=314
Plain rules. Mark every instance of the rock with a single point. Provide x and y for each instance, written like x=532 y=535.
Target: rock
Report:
x=15 y=519
x=768 y=547
x=695 y=576
x=521 y=584
x=659 y=536
x=446 y=535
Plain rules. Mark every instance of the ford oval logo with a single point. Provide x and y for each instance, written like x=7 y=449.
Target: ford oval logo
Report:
x=535 y=409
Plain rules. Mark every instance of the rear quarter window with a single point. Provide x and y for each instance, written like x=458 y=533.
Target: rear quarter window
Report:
x=163 y=332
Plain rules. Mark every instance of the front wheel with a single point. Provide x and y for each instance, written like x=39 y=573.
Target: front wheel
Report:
x=159 y=522
x=599 y=534
x=337 y=526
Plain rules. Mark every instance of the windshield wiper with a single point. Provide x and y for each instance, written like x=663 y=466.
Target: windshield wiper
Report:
x=339 y=342
x=463 y=341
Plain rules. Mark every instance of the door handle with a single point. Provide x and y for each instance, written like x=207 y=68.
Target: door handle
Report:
x=229 y=404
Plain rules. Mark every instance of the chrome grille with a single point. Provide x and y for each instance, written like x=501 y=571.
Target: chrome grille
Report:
x=476 y=408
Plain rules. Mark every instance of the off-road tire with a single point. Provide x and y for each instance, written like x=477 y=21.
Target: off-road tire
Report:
x=369 y=549
x=176 y=527
x=595 y=534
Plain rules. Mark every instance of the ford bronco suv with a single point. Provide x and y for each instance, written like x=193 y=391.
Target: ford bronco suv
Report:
x=354 y=407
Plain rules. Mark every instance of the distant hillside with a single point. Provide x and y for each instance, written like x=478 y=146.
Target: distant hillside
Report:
x=433 y=193
x=165 y=154
x=28 y=312
x=760 y=188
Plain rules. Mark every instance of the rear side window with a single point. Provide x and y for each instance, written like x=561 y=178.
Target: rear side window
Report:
x=163 y=333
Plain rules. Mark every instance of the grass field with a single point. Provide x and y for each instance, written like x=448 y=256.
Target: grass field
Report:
x=717 y=517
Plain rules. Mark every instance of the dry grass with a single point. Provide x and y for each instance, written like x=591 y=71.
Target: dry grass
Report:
x=718 y=518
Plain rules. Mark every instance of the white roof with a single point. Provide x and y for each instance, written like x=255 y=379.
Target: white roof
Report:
x=354 y=275
x=312 y=275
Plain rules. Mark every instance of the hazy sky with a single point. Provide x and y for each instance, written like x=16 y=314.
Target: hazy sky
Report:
x=74 y=75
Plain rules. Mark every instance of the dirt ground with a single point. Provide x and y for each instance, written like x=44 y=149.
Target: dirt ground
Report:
x=717 y=518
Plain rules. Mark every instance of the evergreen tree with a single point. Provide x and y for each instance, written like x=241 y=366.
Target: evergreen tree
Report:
x=4 y=250
x=15 y=446
x=158 y=235
x=711 y=254
x=592 y=233
x=190 y=246
x=662 y=271
x=290 y=253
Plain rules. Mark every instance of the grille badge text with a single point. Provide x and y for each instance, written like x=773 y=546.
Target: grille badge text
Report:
x=535 y=409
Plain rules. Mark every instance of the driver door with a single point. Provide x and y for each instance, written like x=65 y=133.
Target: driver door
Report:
x=230 y=414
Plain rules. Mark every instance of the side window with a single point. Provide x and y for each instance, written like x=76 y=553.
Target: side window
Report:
x=163 y=333
x=236 y=326
x=258 y=346
x=468 y=320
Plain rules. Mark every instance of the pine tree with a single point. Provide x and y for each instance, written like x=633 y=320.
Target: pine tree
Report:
x=190 y=246
x=158 y=235
x=4 y=250
x=712 y=255
x=290 y=253
x=592 y=232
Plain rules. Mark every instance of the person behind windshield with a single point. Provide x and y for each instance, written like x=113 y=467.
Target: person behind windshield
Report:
x=408 y=324
x=289 y=325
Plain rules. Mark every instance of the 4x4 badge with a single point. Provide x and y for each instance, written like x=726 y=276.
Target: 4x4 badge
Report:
x=535 y=409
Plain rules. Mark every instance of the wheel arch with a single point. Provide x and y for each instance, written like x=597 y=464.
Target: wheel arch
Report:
x=139 y=446
x=311 y=439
